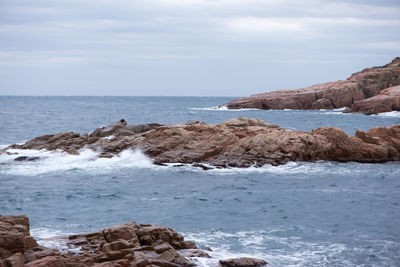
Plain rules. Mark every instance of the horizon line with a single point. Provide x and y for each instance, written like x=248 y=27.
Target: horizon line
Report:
x=116 y=96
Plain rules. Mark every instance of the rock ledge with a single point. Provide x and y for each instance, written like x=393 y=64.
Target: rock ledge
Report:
x=239 y=142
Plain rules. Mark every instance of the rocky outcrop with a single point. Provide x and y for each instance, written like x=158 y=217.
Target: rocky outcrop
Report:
x=242 y=262
x=15 y=236
x=127 y=244
x=238 y=142
x=121 y=245
x=387 y=100
x=359 y=86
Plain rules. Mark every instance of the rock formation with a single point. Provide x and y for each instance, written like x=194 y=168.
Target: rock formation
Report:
x=126 y=244
x=242 y=262
x=237 y=142
x=346 y=93
x=387 y=100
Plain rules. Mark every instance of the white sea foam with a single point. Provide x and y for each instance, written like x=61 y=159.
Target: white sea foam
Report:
x=288 y=168
x=267 y=244
x=57 y=161
x=223 y=108
x=276 y=250
x=88 y=161
x=53 y=239
x=390 y=114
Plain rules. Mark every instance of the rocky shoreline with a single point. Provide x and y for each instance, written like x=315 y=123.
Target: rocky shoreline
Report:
x=370 y=91
x=239 y=142
x=126 y=244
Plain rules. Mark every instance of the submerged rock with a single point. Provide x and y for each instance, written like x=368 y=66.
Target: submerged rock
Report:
x=332 y=95
x=26 y=158
x=239 y=142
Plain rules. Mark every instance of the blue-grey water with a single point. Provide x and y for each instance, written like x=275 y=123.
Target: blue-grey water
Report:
x=298 y=214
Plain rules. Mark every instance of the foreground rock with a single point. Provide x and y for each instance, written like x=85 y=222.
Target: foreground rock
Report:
x=126 y=244
x=346 y=93
x=235 y=143
x=121 y=245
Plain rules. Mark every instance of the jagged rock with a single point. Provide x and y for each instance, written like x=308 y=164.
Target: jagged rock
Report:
x=242 y=262
x=346 y=93
x=243 y=122
x=239 y=142
x=198 y=253
x=118 y=245
x=387 y=100
x=14 y=235
x=16 y=260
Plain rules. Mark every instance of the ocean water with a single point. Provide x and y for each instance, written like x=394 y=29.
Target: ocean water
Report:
x=298 y=214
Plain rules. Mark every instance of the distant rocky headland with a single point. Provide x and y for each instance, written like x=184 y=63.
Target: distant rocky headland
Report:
x=370 y=91
x=127 y=244
x=239 y=142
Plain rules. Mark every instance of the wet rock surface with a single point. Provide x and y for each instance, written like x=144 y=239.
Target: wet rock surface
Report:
x=349 y=93
x=126 y=244
x=242 y=262
x=239 y=142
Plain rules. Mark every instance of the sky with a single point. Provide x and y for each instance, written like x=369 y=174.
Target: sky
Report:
x=189 y=47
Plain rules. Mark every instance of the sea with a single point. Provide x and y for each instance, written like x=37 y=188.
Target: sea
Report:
x=297 y=214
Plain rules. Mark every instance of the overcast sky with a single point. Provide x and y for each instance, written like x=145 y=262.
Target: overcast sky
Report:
x=189 y=47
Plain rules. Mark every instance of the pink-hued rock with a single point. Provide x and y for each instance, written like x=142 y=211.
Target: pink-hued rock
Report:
x=361 y=85
x=14 y=235
x=242 y=262
x=121 y=245
x=238 y=142
x=387 y=100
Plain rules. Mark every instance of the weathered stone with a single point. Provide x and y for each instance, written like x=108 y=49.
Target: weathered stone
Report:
x=239 y=142
x=242 y=262
x=16 y=260
x=114 y=246
x=50 y=261
x=195 y=253
x=122 y=231
x=346 y=93
x=14 y=235
x=387 y=100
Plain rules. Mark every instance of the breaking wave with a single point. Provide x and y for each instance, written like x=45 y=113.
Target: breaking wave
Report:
x=88 y=161
x=58 y=161
x=390 y=114
x=224 y=108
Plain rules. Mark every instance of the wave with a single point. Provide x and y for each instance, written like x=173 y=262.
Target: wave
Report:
x=271 y=244
x=224 y=108
x=53 y=239
x=88 y=161
x=58 y=161
x=280 y=250
x=390 y=114
x=318 y=167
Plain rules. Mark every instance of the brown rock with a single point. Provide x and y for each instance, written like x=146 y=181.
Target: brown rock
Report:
x=242 y=262
x=50 y=261
x=125 y=231
x=195 y=253
x=359 y=86
x=14 y=235
x=240 y=142
x=114 y=246
x=16 y=260
x=387 y=100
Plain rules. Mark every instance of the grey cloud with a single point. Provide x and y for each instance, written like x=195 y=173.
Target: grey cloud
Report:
x=193 y=47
